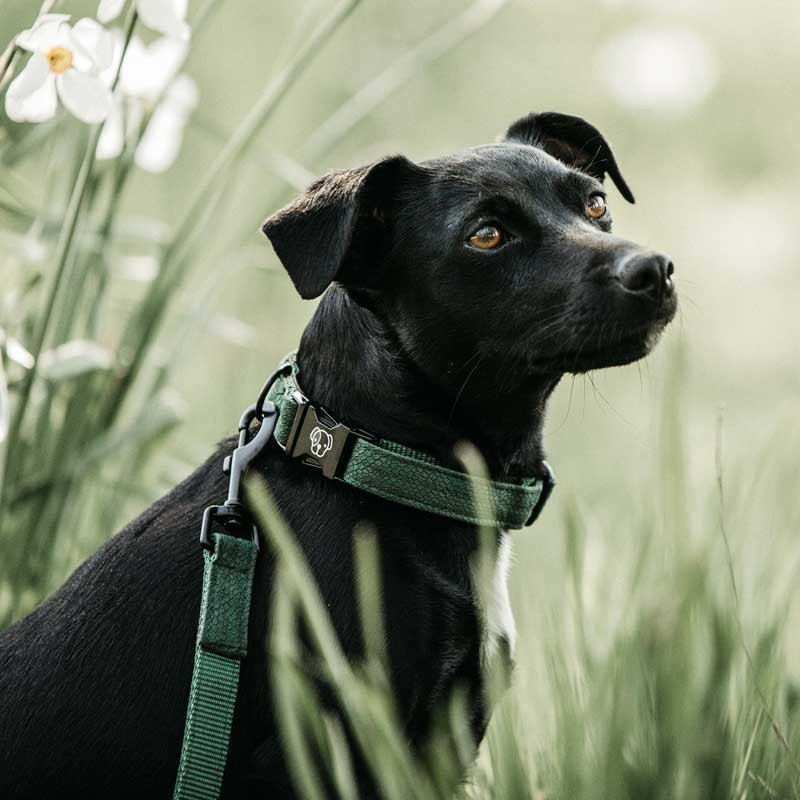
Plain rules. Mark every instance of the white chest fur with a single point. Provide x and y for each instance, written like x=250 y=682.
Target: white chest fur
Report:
x=494 y=606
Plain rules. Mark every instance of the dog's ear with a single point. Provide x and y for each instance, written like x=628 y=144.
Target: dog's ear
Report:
x=329 y=232
x=571 y=140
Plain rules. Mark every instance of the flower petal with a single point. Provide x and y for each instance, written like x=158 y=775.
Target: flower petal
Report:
x=95 y=41
x=43 y=34
x=32 y=94
x=167 y=55
x=117 y=44
x=165 y=16
x=112 y=137
x=109 y=9
x=161 y=141
x=182 y=95
x=73 y=359
x=85 y=95
x=18 y=353
x=134 y=117
x=149 y=70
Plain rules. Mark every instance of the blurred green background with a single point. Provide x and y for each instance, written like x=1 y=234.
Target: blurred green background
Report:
x=699 y=100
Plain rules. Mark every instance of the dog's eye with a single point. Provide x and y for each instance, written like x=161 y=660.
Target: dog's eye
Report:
x=596 y=207
x=487 y=237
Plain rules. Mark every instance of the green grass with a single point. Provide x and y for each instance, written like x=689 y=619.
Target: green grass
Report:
x=676 y=699
x=655 y=599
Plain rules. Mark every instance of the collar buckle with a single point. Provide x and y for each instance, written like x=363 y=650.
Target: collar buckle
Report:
x=318 y=439
x=548 y=484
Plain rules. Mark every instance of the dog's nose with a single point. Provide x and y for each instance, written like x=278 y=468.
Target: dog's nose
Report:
x=648 y=275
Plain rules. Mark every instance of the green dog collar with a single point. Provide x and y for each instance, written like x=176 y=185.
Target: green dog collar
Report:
x=393 y=471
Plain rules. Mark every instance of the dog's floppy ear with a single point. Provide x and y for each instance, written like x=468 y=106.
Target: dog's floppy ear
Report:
x=571 y=140
x=322 y=235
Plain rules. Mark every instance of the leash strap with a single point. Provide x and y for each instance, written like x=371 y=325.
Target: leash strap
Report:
x=393 y=471
x=229 y=562
x=221 y=647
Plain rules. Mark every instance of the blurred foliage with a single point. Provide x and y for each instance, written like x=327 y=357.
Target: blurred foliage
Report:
x=632 y=676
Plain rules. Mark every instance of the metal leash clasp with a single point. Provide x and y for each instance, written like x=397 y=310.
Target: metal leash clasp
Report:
x=232 y=516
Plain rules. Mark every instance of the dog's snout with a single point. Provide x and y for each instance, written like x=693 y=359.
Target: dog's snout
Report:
x=647 y=275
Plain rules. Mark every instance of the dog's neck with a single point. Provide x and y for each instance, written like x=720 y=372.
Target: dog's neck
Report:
x=351 y=364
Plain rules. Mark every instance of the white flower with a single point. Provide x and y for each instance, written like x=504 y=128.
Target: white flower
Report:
x=162 y=139
x=139 y=268
x=165 y=16
x=74 y=358
x=15 y=350
x=112 y=137
x=31 y=246
x=665 y=69
x=148 y=83
x=143 y=79
x=149 y=69
x=66 y=62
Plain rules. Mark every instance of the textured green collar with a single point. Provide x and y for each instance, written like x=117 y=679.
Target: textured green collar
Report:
x=396 y=472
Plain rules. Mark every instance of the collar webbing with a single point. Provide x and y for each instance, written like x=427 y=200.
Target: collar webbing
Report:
x=396 y=472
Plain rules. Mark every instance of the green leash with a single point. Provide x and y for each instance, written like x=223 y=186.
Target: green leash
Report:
x=378 y=466
x=221 y=646
x=230 y=542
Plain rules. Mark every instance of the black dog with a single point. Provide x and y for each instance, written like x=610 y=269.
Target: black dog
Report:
x=464 y=287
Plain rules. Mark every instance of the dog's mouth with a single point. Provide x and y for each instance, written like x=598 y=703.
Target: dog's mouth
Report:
x=606 y=348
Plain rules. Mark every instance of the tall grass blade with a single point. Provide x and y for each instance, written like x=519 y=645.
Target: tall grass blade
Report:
x=61 y=259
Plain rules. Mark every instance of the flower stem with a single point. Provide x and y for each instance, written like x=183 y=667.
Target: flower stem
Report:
x=397 y=74
x=203 y=14
x=62 y=258
x=7 y=60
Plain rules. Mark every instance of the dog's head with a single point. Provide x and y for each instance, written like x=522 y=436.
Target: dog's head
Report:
x=504 y=249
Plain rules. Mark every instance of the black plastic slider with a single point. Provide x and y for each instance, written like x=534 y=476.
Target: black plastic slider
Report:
x=548 y=484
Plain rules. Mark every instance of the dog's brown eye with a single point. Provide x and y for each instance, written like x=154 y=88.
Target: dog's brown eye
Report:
x=596 y=207
x=487 y=238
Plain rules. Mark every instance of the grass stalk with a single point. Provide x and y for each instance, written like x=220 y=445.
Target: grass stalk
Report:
x=396 y=75
x=62 y=256
x=375 y=92
x=765 y=706
x=7 y=63
x=375 y=727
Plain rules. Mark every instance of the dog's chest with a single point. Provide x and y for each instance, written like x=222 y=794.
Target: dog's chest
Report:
x=490 y=584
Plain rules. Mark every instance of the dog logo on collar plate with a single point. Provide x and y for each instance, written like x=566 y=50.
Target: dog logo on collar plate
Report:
x=321 y=442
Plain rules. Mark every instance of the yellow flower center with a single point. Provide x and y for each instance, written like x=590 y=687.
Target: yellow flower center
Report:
x=60 y=59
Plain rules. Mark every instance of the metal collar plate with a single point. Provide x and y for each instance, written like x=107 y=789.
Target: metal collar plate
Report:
x=318 y=439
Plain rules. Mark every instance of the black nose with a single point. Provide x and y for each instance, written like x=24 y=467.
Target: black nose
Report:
x=648 y=275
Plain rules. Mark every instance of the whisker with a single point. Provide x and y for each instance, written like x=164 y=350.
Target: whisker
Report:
x=464 y=386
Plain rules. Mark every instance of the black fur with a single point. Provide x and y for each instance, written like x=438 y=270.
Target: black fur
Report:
x=423 y=339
